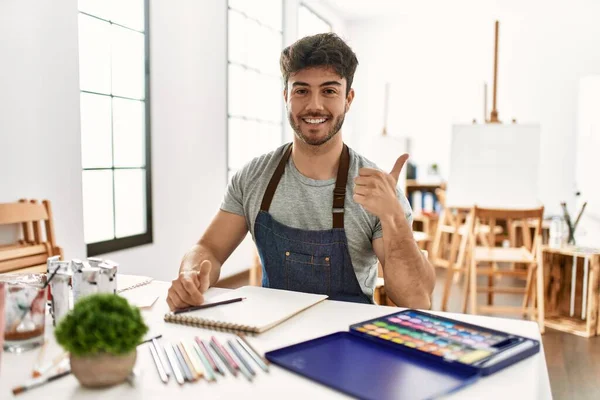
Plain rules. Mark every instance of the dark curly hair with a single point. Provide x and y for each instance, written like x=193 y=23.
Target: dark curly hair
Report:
x=321 y=50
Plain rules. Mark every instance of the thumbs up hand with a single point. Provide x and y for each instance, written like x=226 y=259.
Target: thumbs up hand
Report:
x=188 y=289
x=376 y=190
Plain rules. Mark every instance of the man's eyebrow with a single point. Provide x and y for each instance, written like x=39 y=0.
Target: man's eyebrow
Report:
x=328 y=83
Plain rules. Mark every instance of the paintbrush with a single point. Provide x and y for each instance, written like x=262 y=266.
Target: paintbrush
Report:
x=38 y=382
x=567 y=220
x=28 y=309
x=579 y=217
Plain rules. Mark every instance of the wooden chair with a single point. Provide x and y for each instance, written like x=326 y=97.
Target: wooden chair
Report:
x=501 y=259
x=449 y=248
x=37 y=241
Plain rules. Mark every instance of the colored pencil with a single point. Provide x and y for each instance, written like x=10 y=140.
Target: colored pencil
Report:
x=209 y=358
x=225 y=352
x=243 y=362
x=210 y=373
x=195 y=375
x=223 y=359
x=159 y=368
x=252 y=352
x=174 y=365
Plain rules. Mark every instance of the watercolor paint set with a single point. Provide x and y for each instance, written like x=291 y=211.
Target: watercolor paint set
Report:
x=401 y=349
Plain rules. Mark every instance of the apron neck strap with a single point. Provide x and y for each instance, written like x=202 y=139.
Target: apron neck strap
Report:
x=339 y=193
x=270 y=192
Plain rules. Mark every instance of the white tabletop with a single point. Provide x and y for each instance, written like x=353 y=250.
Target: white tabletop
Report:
x=527 y=379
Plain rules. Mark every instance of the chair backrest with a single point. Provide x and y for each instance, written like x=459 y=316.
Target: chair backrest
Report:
x=38 y=240
x=527 y=217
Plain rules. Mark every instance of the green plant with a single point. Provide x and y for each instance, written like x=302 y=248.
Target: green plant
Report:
x=101 y=323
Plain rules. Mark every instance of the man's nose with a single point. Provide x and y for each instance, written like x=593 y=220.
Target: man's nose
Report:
x=315 y=102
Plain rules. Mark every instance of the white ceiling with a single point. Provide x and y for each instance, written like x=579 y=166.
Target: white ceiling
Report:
x=361 y=9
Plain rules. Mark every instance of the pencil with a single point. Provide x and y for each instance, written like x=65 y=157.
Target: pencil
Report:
x=161 y=357
x=173 y=361
x=208 y=305
x=225 y=353
x=218 y=362
x=252 y=352
x=210 y=373
x=223 y=359
x=239 y=356
x=55 y=361
x=161 y=372
x=188 y=362
x=209 y=358
x=193 y=359
x=184 y=367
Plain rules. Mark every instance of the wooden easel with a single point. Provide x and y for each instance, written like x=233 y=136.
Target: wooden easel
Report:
x=494 y=114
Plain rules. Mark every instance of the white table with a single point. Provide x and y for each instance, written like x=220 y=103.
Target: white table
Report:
x=527 y=379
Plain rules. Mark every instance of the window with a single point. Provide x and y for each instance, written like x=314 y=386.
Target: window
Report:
x=255 y=92
x=310 y=23
x=115 y=124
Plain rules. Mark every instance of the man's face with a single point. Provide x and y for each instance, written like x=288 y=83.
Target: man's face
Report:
x=317 y=104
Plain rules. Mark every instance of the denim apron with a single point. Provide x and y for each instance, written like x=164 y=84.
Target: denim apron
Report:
x=303 y=260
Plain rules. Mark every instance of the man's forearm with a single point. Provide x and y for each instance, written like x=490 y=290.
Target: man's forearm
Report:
x=194 y=257
x=409 y=277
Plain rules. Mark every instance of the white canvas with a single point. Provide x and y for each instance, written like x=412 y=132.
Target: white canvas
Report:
x=494 y=165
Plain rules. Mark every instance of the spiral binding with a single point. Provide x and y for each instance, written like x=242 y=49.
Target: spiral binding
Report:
x=137 y=285
x=209 y=324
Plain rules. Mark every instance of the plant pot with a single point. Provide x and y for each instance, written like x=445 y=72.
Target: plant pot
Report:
x=103 y=370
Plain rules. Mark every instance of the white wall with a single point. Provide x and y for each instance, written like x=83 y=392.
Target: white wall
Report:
x=40 y=145
x=438 y=55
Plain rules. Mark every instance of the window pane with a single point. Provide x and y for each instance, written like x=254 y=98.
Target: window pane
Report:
x=98 y=8
x=130 y=202
x=236 y=144
x=271 y=104
x=94 y=54
x=128 y=63
x=236 y=37
x=237 y=90
x=272 y=46
x=270 y=13
x=253 y=147
x=96 y=143
x=129 y=133
x=310 y=23
x=254 y=94
x=97 y=206
x=253 y=44
x=129 y=13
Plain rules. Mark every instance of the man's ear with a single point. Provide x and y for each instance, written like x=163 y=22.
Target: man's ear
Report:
x=349 y=99
x=285 y=95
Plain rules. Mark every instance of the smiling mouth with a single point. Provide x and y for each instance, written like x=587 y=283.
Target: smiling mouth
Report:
x=315 y=121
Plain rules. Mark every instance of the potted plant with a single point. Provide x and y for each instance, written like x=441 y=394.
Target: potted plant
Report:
x=101 y=334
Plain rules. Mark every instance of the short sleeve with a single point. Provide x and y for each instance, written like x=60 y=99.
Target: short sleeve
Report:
x=233 y=200
x=378 y=231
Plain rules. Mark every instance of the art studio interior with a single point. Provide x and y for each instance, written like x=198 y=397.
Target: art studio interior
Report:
x=254 y=185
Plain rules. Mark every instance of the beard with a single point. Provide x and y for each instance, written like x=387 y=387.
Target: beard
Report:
x=316 y=141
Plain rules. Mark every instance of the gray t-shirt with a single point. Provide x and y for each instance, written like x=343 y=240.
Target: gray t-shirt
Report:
x=305 y=203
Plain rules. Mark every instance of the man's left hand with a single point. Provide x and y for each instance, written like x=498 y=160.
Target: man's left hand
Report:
x=376 y=191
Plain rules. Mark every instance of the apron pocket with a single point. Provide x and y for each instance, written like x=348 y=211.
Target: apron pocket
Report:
x=307 y=273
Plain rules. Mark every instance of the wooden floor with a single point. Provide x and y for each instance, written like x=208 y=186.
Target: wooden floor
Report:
x=573 y=361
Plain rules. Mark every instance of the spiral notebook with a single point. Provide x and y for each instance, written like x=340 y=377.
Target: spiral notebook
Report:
x=262 y=309
x=128 y=282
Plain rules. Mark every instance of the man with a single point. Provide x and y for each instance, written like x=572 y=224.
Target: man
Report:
x=321 y=215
